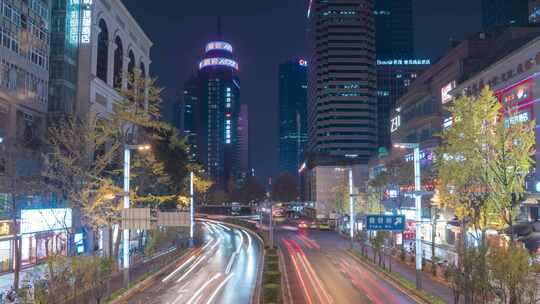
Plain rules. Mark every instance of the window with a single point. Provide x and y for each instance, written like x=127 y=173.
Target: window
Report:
x=131 y=68
x=102 y=51
x=118 y=63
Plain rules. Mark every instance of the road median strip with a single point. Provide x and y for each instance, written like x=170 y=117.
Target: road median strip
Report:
x=397 y=280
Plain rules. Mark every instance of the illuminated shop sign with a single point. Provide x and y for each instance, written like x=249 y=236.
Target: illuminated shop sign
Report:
x=79 y=21
x=36 y=220
x=448 y=122
x=516 y=95
x=445 y=91
x=228 y=131
x=395 y=123
x=302 y=62
x=218 y=62
x=518 y=118
x=404 y=62
x=5 y=228
x=219 y=45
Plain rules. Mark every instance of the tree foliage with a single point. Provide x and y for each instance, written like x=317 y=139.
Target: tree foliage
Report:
x=285 y=189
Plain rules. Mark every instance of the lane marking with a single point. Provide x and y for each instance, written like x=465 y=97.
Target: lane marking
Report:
x=220 y=286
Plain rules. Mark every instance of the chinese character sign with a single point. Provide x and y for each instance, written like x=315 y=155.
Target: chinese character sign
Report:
x=386 y=222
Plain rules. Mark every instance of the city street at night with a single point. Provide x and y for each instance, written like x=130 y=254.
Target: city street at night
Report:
x=224 y=270
x=321 y=271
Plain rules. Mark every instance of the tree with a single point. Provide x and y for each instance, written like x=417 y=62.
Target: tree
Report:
x=18 y=184
x=285 y=189
x=251 y=191
x=512 y=274
x=482 y=164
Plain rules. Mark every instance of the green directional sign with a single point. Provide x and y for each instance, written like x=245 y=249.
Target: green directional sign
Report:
x=385 y=222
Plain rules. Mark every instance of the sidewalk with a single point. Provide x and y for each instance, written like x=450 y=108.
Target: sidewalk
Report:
x=6 y=280
x=429 y=284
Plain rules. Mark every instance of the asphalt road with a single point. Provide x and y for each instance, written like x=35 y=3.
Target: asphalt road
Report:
x=321 y=272
x=223 y=270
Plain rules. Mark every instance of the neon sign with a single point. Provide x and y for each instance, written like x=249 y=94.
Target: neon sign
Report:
x=309 y=8
x=218 y=45
x=80 y=21
x=395 y=123
x=445 y=92
x=302 y=62
x=404 y=62
x=218 y=62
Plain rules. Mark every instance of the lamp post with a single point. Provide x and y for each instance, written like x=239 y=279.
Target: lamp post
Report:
x=127 y=157
x=418 y=207
x=191 y=210
x=351 y=208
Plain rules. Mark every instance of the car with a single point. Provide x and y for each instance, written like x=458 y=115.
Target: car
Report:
x=302 y=224
x=324 y=226
x=313 y=225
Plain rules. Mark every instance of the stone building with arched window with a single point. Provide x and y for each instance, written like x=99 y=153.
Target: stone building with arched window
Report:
x=99 y=41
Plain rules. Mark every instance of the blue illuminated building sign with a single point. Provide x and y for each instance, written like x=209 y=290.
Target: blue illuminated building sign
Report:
x=218 y=45
x=404 y=62
x=218 y=62
x=79 y=21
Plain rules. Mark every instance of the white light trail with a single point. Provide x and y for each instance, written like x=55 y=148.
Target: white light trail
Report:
x=191 y=269
x=178 y=269
x=200 y=290
x=220 y=286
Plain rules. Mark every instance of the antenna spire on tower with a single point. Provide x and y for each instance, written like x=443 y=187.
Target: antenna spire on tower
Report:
x=220 y=36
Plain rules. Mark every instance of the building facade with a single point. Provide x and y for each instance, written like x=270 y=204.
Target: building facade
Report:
x=394 y=29
x=191 y=122
x=111 y=43
x=342 y=105
x=394 y=76
x=244 y=160
x=534 y=11
x=292 y=115
x=501 y=13
x=516 y=83
x=420 y=114
x=220 y=107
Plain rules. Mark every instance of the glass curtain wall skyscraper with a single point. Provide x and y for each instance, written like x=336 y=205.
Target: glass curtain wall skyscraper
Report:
x=220 y=107
x=397 y=65
x=497 y=13
x=292 y=114
x=342 y=106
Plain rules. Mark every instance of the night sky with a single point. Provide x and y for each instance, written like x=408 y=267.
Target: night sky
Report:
x=264 y=34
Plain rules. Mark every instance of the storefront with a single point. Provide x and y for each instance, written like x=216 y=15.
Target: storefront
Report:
x=44 y=232
x=6 y=245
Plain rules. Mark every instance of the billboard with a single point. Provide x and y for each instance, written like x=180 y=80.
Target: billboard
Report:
x=37 y=220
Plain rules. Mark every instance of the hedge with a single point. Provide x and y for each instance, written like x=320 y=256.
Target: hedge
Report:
x=271 y=293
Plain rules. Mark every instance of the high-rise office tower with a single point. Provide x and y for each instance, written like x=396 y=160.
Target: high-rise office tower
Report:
x=496 y=13
x=342 y=106
x=191 y=117
x=534 y=11
x=220 y=106
x=243 y=144
x=394 y=29
x=292 y=114
x=397 y=65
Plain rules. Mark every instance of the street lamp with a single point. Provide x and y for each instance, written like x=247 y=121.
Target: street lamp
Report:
x=418 y=206
x=127 y=156
x=191 y=210
x=351 y=207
